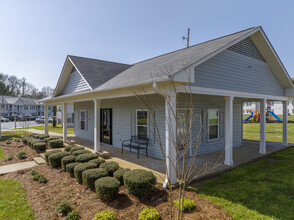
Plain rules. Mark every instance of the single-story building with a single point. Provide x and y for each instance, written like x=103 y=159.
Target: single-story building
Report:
x=216 y=76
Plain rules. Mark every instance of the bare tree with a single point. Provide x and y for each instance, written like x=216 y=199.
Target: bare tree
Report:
x=183 y=139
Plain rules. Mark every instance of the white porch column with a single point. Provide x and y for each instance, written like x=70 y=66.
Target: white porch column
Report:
x=97 y=125
x=285 y=123
x=262 y=143
x=229 y=130
x=64 y=122
x=170 y=139
x=46 y=119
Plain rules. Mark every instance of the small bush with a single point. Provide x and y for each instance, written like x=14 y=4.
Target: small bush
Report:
x=16 y=139
x=149 y=214
x=78 y=152
x=33 y=172
x=70 y=168
x=22 y=155
x=107 y=188
x=40 y=178
x=90 y=176
x=82 y=158
x=40 y=146
x=56 y=143
x=67 y=148
x=119 y=175
x=188 y=204
x=50 y=139
x=55 y=159
x=73 y=215
x=48 y=153
x=24 y=139
x=111 y=167
x=36 y=136
x=8 y=142
x=33 y=141
x=72 y=149
x=43 y=136
x=64 y=207
x=10 y=158
x=139 y=182
x=80 y=168
x=105 y=215
x=98 y=161
x=67 y=160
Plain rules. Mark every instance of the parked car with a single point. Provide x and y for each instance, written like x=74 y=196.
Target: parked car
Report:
x=15 y=117
x=4 y=119
x=32 y=118
x=41 y=120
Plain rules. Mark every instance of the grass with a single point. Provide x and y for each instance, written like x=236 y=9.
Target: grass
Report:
x=274 y=132
x=290 y=117
x=13 y=201
x=2 y=154
x=261 y=190
x=57 y=129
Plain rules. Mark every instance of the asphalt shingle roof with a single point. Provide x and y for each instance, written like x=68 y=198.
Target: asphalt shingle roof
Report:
x=97 y=72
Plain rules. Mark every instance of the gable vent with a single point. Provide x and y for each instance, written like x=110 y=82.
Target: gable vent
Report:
x=247 y=48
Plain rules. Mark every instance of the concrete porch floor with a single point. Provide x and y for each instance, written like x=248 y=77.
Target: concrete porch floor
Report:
x=205 y=166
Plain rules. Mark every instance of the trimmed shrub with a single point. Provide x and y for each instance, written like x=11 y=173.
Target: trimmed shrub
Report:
x=139 y=182
x=36 y=136
x=40 y=146
x=72 y=149
x=67 y=160
x=64 y=207
x=98 y=161
x=73 y=215
x=56 y=143
x=70 y=168
x=111 y=167
x=90 y=176
x=67 y=148
x=55 y=159
x=188 y=204
x=43 y=136
x=50 y=139
x=48 y=153
x=149 y=214
x=24 y=139
x=107 y=188
x=21 y=155
x=33 y=141
x=105 y=215
x=78 y=152
x=82 y=158
x=80 y=168
x=119 y=175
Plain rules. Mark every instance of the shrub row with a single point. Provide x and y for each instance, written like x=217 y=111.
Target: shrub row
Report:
x=39 y=142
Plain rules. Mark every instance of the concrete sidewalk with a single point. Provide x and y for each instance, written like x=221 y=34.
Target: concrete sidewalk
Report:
x=16 y=167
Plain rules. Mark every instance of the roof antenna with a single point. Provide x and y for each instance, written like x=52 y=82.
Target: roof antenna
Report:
x=187 y=38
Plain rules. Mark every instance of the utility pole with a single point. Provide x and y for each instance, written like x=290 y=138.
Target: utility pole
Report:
x=187 y=38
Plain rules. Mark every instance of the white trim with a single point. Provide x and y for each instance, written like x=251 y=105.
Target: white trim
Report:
x=214 y=139
x=222 y=92
x=142 y=125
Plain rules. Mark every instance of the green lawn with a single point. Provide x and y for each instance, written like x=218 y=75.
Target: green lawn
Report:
x=274 y=132
x=13 y=201
x=57 y=129
x=2 y=154
x=261 y=190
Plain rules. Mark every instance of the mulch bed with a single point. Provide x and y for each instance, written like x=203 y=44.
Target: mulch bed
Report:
x=60 y=186
x=12 y=150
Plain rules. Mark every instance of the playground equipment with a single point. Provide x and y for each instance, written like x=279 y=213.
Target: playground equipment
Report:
x=255 y=116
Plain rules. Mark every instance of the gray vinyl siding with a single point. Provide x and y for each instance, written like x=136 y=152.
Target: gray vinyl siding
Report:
x=124 y=121
x=233 y=71
x=75 y=83
x=200 y=106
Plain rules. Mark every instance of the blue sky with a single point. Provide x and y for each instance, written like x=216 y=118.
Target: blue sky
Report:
x=36 y=35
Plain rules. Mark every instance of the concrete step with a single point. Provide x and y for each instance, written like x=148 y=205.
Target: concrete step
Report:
x=16 y=167
x=39 y=160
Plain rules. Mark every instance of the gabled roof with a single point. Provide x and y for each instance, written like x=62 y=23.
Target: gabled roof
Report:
x=96 y=72
x=104 y=75
x=13 y=100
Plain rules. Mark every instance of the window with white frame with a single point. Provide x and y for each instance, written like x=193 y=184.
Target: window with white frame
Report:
x=142 y=123
x=83 y=120
x=213 y=124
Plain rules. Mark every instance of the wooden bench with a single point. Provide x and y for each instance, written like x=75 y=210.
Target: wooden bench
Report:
x=135 y=143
